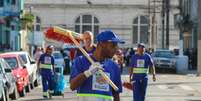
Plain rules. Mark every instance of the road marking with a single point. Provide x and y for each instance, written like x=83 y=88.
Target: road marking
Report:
x=186 y=87
x=164 y=76
x=162 y=87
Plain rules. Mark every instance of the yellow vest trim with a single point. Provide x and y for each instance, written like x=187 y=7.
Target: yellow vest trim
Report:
x=96 y=95
x=46 y=66
x=140 y=70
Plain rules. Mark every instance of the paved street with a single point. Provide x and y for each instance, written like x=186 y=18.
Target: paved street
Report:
x=169 y=87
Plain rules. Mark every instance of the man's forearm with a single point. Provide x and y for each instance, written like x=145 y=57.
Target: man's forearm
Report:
x=153 y=70
x=130 y=74
x=38 y=65
x=77 y=81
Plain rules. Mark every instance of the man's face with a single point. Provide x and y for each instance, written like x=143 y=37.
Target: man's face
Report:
x=109 y=49
x=49 y=51
x=141 y=49
x=87 y=38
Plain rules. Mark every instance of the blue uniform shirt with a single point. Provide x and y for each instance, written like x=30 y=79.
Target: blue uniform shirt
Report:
x=141 y=61
x=46 y=59
x=79 y=53
x=46 y=62
x=95 y=85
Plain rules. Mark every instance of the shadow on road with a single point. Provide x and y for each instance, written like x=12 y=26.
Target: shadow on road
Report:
x=41 y=99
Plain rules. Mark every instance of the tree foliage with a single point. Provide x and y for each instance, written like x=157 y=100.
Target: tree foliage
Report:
x=27 y=21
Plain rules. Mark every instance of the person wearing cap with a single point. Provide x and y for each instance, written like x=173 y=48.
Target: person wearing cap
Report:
x=139 y=68
x=89 y=47
x=46 y=68
x=85 y=77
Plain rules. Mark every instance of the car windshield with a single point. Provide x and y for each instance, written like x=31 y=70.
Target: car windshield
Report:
x=57 y=55
x=12 y=61
x=165 y=54
x=24 y=58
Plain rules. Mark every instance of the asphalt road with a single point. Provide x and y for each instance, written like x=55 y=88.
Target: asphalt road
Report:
x=168 y=87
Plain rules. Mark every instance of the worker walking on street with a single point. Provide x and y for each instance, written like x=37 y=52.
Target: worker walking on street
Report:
x=46 y=68
x=85 y=77
x=139 y=68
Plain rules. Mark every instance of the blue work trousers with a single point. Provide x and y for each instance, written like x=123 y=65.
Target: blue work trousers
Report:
x=139 y=91
x=47 y=79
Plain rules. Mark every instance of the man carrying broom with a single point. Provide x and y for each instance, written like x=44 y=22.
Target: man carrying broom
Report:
x=85 y=77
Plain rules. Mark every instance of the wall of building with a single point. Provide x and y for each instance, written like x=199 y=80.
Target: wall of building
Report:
x=9 y=15
x=117 y=15
x=199 y=37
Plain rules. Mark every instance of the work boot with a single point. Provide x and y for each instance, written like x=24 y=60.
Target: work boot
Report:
x=50 y=94
x=45 y=95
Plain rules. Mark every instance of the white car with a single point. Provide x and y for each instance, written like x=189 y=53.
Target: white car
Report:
x=31 y=66
x=164 y=59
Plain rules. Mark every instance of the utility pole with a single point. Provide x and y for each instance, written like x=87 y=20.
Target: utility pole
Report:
x=152 y=11
x=149 y=25
x=154 y=38
x=163 y=23
x=167 y=3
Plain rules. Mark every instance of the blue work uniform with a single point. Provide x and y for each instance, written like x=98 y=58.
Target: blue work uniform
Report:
x=140 y=65
x=79 y=53
x=46 y=71
x=95 y=88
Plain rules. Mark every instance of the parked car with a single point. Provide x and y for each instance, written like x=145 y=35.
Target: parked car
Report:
x=164 y=59
x=9 y=79
x=59 y=60
x=2 y=91
x=19 y=71
x=31 y=67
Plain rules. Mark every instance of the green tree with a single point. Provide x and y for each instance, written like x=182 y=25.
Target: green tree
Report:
x=27 y=21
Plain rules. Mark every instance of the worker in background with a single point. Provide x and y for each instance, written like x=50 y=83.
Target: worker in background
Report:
x=139 y=68
x=46 y=68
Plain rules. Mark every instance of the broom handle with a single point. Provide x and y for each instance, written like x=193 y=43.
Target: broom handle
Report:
x=91 y=61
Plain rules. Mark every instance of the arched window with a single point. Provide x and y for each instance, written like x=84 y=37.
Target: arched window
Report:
x=140 y=30
x=87 y=23
x=38 y=23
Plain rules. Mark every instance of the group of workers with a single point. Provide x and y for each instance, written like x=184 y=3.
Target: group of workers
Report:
x=85 y=76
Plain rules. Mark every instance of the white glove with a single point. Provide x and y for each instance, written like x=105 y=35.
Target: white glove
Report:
x=93 y=69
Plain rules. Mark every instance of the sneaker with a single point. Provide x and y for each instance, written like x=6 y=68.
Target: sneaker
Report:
x=45 y=97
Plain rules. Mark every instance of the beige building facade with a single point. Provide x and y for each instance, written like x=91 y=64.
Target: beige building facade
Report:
x=128 y=18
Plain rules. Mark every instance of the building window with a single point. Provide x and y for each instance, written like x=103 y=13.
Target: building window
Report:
x=140 y=30
x=7 y=37
x=1 y=3
x=13 y=27
x=7 y=23
x=38 y=24
x=87 y=23
x=13 y=2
